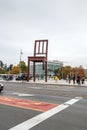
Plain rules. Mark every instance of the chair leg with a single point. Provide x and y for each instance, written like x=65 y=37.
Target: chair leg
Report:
x=28 y=70
x=43 y=65
x=45 y=71
x=34 y=72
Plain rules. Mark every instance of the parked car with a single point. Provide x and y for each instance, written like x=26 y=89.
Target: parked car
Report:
x=7 y=77
x=1 y=87
x=21 y=77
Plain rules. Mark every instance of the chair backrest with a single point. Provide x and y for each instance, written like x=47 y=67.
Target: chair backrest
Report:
x=41 y=48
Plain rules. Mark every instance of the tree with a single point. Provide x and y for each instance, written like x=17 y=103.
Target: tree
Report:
x=2 y=71
x=1 y=64
x=10 y=66
x=79 y=71
x=2 y=68
x=64 y=71
x=23 y=67
x=15 y=70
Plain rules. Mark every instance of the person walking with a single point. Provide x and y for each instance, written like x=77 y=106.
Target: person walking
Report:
x=82 y=80
x=74 y=78
x=69 y=78
x=78 y=79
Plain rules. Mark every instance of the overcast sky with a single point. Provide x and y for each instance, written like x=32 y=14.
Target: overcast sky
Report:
x=62 y=22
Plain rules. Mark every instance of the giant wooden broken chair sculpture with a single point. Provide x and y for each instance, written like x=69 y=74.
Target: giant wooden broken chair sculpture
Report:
x=40 y=55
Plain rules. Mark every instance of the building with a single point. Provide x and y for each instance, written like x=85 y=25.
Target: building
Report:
x=51 y=65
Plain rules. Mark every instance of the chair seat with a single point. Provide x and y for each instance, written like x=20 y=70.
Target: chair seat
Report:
x=37 y=58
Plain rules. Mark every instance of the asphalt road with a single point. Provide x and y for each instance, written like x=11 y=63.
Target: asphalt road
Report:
x=68 y=112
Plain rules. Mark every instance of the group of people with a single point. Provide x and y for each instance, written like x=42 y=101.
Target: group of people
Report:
x=76 y=79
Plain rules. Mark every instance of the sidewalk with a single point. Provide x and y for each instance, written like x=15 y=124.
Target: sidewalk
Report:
x=50 y=82
x=60 y=82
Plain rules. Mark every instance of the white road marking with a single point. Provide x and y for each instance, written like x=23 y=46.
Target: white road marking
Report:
x=26 y=125
x=23 y=94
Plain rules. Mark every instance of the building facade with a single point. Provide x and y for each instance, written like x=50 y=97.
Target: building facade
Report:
x=51 y=67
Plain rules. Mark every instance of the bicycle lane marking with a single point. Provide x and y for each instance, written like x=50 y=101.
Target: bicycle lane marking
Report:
x=27 y=104
x=26 y=125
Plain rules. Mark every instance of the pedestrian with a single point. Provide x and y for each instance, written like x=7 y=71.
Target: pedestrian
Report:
x=78 y=79
x=56 y=78
x=82 y=80
x=74 y=79
x=69 y=78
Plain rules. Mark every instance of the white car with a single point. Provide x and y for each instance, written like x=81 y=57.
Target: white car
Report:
x=1 y=87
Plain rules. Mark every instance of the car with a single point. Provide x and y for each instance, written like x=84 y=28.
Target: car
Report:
x=1 y=87
x=23 y=77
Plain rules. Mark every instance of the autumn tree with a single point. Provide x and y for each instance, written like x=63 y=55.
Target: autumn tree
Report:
x=78 y=71
x=15 y=70
x=64 y=71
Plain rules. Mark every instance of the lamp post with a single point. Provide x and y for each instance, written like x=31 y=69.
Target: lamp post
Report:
x=20 y=71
